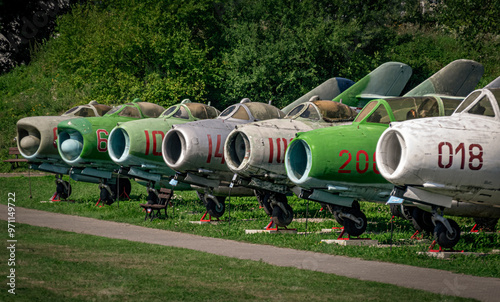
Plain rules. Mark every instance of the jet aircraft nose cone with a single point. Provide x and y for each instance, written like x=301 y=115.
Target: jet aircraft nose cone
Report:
x=71 y=145
x=238 y=150
x=119 y=144
x=298 y=161
x=29 y=144
x=174 y=148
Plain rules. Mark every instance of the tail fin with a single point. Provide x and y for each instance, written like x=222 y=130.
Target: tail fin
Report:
x=458 y=78
x=494 y=84
x=326 y=91
x=389 y=79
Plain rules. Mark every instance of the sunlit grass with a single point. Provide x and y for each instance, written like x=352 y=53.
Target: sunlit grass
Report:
x=245 y=214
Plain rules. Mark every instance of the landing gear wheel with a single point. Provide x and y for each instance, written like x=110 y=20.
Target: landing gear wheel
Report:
x=282 y=218
x=399 y=210
x=486 y=224
x=105 y=197
x=355 y=229
x=266 y=204
x=334 y=210
x=63 y=190
x=422 y=220
x=443 y=237
x=263 y=199
x=336 y=215
x=212 y=207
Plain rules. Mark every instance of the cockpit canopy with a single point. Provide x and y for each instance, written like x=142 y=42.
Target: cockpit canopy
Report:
x=89 y=110
x=406 y=108
x=198 y=110
x=251 y=111
x=137 y=110
x=327 y=110
x=480 y=103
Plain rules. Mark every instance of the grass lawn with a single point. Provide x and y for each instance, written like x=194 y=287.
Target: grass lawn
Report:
x=53 y=265
x=245 y=214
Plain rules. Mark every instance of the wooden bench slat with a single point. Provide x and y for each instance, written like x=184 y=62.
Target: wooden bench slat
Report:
x=15 y=161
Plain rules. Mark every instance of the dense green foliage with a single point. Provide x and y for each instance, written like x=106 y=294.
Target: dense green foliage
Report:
x=163 y=51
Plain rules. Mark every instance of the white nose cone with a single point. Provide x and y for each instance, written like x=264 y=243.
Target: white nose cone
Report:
x=29 y=144
x=71 y=148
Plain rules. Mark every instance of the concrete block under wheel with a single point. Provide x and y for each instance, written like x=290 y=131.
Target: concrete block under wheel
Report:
x=271 y=231
x=350 y=242
x=205 y=222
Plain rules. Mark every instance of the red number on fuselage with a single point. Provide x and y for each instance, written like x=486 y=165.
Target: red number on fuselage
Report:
x=156 y=142
x=102 y=142
x=55 y=138
x=280 y=154
x=460 y=149
x=219 y=152
x=359 y=168
x=341 y=169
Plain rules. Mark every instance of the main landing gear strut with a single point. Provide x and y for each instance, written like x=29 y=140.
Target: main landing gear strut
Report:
x=108 y=192
x=352 y=219
x=276 y=206
x=446 y=231
x=63 y=189
x=215 y=205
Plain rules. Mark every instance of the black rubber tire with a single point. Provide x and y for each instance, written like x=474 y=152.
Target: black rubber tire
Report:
x=212 y=208
x=399 y=210
x=444 y=238
x=105 y=197
x=282 y=218
x=266 y=204
x=61 y=190
x=355 y=205
x=355 y=229
x=338 y=219
x=422 y=220
x=486 y=224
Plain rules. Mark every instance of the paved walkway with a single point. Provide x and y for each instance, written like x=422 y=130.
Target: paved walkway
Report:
x=432 y=280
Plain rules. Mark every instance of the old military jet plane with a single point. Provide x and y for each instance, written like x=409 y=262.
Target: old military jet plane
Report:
x=195 y=150
x=337 y=165
x=256 y=151
x=36 y=141
x=136 y=145
x=448 y=162
x=83 y=145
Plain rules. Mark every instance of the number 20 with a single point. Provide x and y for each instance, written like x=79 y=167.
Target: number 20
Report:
x=359 y=155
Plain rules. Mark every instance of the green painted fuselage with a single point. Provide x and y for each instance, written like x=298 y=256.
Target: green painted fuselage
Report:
x=136 y=146
x=341 y=160
x=83 y=142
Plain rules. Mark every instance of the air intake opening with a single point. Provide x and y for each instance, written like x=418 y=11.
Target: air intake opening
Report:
x=118 y=144
x=391 y=152
x=71 y=144
x=238 y=148
x=173 y=146
x=298 y=154
x=29 y=140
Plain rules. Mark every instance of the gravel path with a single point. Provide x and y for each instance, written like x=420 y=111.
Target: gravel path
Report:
x=432 y=280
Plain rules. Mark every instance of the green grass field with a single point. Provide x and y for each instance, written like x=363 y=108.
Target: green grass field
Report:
x=53 y=265
x=245 y=214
